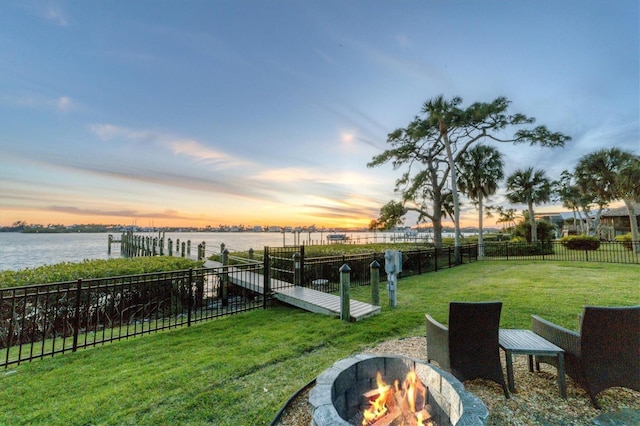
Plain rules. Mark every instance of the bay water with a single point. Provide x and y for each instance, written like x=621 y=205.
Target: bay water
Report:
x=22 y=250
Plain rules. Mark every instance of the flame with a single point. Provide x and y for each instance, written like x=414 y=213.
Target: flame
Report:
x=378 y=406
x=415 y=391
x=412 y=391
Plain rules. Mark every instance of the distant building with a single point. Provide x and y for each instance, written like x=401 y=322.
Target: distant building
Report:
x=616 y=221
x=563 y=222
x=613 y=222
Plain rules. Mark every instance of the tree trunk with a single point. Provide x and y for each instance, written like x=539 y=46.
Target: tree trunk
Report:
x=633 y=221
x=437 y=233
x=587 y=220
x=456 y=204
x=534 y=228
x=480 y=239
x=596 y=222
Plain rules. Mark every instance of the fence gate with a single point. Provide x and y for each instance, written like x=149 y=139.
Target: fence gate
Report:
x=279 y=266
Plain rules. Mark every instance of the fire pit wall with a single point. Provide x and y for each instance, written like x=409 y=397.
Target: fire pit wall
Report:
x=337 y=395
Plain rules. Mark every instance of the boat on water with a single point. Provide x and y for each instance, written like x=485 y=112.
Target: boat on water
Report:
x=335 y=238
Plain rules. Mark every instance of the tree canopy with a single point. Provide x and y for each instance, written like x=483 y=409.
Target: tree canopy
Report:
x=481 y=168
x=431 y=145
x=608 y=175
x=530 y=186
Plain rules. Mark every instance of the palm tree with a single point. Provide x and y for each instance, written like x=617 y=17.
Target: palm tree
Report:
x=531 y=187
x=507 y=217
x=608 y=175
x=481 y=168
x=628 y=188
x=595 y=174
x=571 y=197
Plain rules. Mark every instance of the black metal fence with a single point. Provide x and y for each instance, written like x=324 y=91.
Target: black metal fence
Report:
x=48 y=319
x=280 y=265
x=323 y=273
x=605 y=252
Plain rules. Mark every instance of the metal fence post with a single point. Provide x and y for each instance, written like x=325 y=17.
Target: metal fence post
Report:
x=296 y=268
x=266 y=285
x=345 y=287
x=190 y=283
x=435 y=259
x=374 y=272
x=76 y=325
x=225 y=278
x=302 y=268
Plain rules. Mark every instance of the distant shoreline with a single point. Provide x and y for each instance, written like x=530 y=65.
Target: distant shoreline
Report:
x=446 y=230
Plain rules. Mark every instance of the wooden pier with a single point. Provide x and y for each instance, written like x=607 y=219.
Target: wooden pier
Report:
x=134 y=245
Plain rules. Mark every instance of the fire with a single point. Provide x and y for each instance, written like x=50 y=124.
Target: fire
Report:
x=416 y=392
x=378 y=406
x=406 y=403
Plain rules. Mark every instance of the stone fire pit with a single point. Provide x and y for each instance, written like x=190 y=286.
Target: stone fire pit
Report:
x=337 y=396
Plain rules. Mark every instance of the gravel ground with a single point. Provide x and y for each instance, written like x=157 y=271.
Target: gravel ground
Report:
x=537 y=401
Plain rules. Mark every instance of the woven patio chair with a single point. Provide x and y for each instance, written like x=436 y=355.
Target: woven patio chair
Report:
x=469 y=347
x=606 y=352
x=437 y=343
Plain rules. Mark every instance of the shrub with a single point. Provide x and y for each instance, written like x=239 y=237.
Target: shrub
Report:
x=95 y=268
x=518 y=249
x=580 y=242
x=544 y=230
x=488 y=237
x=625 y=240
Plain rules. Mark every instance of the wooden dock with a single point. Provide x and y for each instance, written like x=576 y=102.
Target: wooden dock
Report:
x=324 y=303
x=301 y=297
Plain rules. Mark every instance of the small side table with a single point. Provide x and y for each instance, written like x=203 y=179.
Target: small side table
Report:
x=526 y=342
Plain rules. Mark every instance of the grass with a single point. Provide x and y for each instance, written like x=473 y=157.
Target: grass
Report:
x=241 y=369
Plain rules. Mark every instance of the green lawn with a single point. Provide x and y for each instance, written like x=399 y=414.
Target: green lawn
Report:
x=240 y=370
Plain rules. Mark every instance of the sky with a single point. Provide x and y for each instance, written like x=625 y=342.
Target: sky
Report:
x=247 y=112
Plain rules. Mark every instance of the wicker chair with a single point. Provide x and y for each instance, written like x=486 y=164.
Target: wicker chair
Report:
x=469 y=347
x=606 y=352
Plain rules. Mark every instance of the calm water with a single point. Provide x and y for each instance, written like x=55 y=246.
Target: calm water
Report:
x=19 y=251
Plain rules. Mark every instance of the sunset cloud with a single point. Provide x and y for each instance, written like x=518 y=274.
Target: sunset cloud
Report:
x=167 y=214
x=287 y=174
x=189 y=148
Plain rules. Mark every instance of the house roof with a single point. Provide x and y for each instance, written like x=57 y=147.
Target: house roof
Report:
x=620 y=211
x=561 y=215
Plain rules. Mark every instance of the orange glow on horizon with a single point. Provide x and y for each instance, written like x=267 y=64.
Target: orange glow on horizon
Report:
x=39 y=217
x=8 y=218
